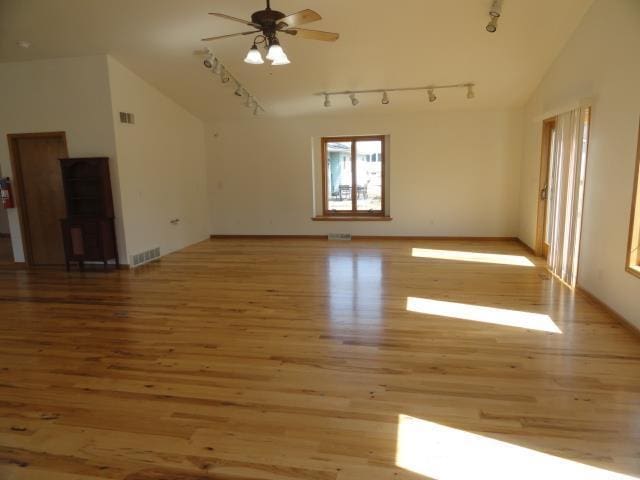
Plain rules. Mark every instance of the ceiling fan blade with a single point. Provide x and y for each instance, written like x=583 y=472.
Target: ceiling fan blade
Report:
x=234 y=19
x=313 y=34
x=208 y=39
x=300 y=18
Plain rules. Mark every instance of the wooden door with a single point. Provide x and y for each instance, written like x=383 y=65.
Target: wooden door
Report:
x=40 y=193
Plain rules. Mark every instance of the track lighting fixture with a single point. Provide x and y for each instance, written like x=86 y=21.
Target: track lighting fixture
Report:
x=470 y=92
x=430 y=89
x=494 y=13
x=216 y=67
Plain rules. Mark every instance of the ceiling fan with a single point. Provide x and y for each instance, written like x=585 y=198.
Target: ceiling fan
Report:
x=268 y=23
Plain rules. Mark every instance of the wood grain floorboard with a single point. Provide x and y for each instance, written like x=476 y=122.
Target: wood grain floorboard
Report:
x=284 y=359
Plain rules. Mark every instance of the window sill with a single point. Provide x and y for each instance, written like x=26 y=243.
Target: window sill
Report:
x=355 y=218
x=634 y=270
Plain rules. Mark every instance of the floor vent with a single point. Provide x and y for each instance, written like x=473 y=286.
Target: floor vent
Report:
x=145 y=257
x=339 y=236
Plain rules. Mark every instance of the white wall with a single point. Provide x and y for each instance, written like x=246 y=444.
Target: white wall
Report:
x=70 y=95
x=452 y=173
x=600 y=61
x=161 y=161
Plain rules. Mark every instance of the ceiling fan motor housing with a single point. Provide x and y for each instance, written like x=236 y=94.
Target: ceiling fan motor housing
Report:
x=268 y=20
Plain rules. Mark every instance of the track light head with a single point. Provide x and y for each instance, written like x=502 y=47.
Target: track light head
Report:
x=432 y=95
x=215 y=66
x=385 y=98
x=492 y=26
x=208 y=61
x=224 y=76
x=470 y=93
x=354 y=100
x=238 y=92
x=496 y=8
x=256 y=109
x=327 y=101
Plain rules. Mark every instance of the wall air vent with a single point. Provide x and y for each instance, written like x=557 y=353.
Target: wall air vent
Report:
x=340 y=236
x=145 y=257
x=127 y=118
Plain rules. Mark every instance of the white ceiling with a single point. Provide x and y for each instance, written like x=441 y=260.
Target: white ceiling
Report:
x=383 y=44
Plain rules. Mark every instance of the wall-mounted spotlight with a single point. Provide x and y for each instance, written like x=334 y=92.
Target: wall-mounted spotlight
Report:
x=354 y=100
x=432 y=95
x=385 y=98
x=327 y=101
x=494 y=14
x=470 y=92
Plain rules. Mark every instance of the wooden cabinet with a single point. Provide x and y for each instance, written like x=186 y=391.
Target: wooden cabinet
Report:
x=89 y=229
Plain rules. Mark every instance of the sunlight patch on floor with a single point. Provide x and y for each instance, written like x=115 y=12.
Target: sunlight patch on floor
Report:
x=475 y=313
x=517 y=260
x=445 y=453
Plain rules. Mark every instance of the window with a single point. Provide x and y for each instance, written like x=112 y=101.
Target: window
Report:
x=633 y=259
x=354 y=176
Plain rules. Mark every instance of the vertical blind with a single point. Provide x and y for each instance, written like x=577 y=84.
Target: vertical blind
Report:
x=567 y=175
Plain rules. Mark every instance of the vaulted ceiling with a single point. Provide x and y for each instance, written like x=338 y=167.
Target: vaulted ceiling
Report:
x=383 y=44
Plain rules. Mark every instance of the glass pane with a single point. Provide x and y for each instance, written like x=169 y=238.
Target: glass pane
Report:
x=550 y=188
x=369 y=175
x=339 y=183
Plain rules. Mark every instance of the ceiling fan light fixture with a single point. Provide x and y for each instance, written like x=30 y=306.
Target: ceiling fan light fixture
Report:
x=275 y=51
x=282 y=60
x=254 y=57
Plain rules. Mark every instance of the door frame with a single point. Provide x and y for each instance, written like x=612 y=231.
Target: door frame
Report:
x=21 y=204
x=545 y=158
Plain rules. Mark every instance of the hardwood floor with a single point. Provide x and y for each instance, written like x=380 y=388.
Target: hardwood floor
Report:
x=298 y=359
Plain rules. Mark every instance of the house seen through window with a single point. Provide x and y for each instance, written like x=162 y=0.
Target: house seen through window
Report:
x=354 y=169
